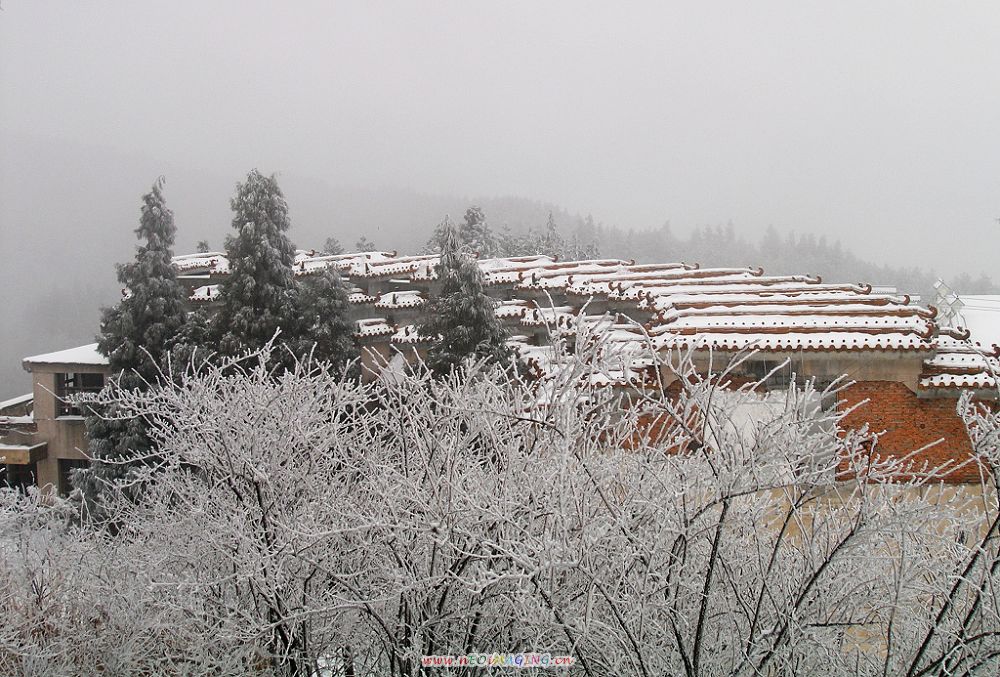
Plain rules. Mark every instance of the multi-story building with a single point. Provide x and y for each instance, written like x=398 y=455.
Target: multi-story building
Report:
x=42 y=435
x=906 y=368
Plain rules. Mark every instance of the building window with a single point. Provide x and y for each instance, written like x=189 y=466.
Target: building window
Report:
x=782 y=378
x=18 y=477
x=66 y=468
x=75 y=383
x=768 y=371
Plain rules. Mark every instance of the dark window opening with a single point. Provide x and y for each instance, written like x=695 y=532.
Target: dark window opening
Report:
x=75 y=383
x=783 y=378
x=19 y=477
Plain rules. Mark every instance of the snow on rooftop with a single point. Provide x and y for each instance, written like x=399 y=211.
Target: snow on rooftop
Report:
x=400 y=299
x=373 y=326
x=18 y=401
x=84 y=355
x=961 y=363
x=205 y=293
x=797 y=340
x=407 y=334
x=681 y=304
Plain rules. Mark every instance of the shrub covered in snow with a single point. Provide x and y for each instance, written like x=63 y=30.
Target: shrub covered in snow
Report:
x=301 y=519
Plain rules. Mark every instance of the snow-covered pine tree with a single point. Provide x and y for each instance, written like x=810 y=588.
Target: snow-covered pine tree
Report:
x=333 y=247
x=435 y=244
x=583 y=243
x=257 y=298
x=193 y=348
x=322 y=318
x=476 y=236
x=365 y=245
x=461 y=318
x=552 y=242
x=527 y=244
x=507 y=242
x=135 y=335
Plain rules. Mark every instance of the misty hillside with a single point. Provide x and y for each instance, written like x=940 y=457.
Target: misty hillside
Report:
x=778 y=253
x=62 y=230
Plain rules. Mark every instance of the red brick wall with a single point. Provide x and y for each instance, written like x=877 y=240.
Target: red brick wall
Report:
x=910 y=423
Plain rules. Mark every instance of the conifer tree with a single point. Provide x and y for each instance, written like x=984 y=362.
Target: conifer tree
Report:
x=322 y=319
x=135 y=336
x=435 y=245
x=551 y=241
x=508 y=244
x=476 y=236
x=193 y=348
x=257 y=298
x=365 y=245
x=461 y=318
x=583 y=244
x=333 y=247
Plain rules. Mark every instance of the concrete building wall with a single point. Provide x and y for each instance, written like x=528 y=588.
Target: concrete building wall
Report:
x=65 y=435
x=902 y=367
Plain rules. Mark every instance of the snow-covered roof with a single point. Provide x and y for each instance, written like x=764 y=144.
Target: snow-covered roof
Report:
x=15 y=421
x=18 y=401
x=87 y=355
x=205 y=293
x=205 y=263
x=373 y=326
x=400 y=299
x=680 y=305
x=407 y=334
x=359 y=298
x=514 y=308
x=961 y=363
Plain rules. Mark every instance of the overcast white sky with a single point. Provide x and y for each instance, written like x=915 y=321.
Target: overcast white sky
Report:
x=878 y=122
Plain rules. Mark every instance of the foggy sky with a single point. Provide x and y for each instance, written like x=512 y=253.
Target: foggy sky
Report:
x=874 y=121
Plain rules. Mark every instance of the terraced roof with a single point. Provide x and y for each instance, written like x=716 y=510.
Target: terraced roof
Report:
x=668 y=305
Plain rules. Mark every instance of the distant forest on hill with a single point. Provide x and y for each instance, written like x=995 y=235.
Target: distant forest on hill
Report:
x=724 y=245
x=779 y=253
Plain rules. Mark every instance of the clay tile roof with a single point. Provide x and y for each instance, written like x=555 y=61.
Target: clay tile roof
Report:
x=408 y=334
x=960 y=363
x=373 y=326
x=400 y=299
x=683 y=305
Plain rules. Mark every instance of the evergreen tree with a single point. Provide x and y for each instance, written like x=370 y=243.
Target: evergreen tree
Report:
x=436 y=244
x=202 y=247
x=508 y=244
x=551 y=242
x=365 y=245
x=257 y=298
x=332 y=246
x=461 y=318
x=322 y=319
x=476 y=236
x=583 y=244
x=192 y=348
x=529 y=244
x=135 y=336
